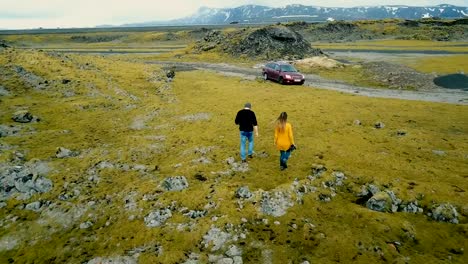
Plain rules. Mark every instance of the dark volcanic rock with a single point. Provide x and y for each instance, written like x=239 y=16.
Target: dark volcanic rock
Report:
x=272 y=42
x=22 y=116
x=399 y=76
x=275 y=42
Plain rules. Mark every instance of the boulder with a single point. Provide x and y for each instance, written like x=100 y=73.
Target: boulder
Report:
x=8 y=130
x=339 y=178
x=196 y=214
x=216 y=238
x=275 y=204
x=318 y=170
x=176 y=183
x=411 y=207
x=382 y=202
x=65 y=153
x=26 y=179
x=157 y=218
x=233 y=251
x=243 y=192
x=445 y=213
x=22 y=116
x=379 y=125
x=34 y=206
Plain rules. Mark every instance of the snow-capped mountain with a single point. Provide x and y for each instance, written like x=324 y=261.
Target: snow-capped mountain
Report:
x=255 y=14
x=259 y=14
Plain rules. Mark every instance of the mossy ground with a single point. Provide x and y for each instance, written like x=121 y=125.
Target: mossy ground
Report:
x=439 y=64
x=406 y=45
x=96 y=114
x=96 y=120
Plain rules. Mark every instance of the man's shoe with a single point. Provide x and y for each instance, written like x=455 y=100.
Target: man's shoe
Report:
x=250 y=156
x=244 y=161
x=282 y=168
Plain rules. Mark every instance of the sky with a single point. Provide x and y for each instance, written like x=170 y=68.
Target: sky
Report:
x=25 y=14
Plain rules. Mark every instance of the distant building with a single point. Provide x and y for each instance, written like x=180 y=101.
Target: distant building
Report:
x=234 y=22
x=330 y=19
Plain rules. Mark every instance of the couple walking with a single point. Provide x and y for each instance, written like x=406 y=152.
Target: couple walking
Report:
x=284 y=139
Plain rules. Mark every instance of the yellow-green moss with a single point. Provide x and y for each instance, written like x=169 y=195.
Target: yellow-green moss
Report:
x=97 y=121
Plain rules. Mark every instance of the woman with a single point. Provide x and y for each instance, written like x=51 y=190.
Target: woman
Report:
x=284 y=139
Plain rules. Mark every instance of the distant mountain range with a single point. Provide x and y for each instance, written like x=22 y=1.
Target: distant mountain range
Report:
x=262 y=14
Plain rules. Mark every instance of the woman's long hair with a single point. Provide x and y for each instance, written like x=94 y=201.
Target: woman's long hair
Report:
x=281 y=121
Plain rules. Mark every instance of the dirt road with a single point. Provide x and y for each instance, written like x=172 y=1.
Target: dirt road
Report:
x=437 y=95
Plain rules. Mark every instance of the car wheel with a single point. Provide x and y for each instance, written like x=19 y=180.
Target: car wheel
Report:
x=301 y=83
x=280 y=80
x=265 y=76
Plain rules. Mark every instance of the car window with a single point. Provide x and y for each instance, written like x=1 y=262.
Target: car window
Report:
x=288 y=68
x=276 y=67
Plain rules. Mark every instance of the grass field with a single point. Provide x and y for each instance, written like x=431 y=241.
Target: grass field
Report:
x=396 y=45
x=124 y=112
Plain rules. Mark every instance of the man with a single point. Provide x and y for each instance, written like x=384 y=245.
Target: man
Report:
x=247 y=122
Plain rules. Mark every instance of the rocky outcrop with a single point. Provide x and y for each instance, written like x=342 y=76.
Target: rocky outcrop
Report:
x=399 y=77
x=8 y=130
x=271 y=42
x=23 y=116
x=24 y=180
x=65 y=153
x=445 y=213
x=177 y=183
x=275 y=42
x=243 y=192
x=276 y=204
x=157 y=218
x=30 y=79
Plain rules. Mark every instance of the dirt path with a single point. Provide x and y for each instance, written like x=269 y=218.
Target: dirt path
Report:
x=439 y=95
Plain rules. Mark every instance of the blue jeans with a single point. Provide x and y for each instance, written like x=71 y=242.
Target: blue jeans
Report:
x=284 y=156
x=244 y=136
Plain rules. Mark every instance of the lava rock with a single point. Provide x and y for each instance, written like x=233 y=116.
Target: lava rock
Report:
x=34 y=206
x=318 y=170
x=379 y=125
x=445 y=213
x=217 y=238
x=275 y=204
x=157 y=218
x=8 y=130
x=176 y=183
x=411 y=207
x=380 y=202
x=243 y=192
x=196 y=214
x=22 y=116
x=233 y=251
x=65 y=153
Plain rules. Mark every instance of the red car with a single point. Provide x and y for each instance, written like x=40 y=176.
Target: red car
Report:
x=283 y=73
